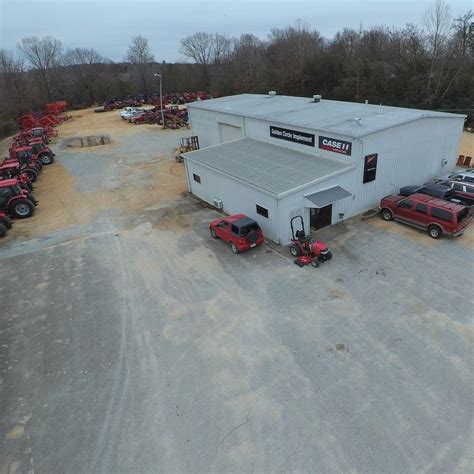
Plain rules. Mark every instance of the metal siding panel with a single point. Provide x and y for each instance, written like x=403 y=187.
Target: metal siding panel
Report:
x=236 y=197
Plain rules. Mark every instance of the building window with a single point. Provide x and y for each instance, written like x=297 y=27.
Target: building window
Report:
x=262 y=211
x=197 y=178
x=370 y=167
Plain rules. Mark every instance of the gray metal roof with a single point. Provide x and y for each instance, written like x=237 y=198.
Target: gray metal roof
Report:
x=271 y=168
x=327 y=115
x=328 y=196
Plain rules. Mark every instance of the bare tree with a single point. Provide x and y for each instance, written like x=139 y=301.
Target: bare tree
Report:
x=207 y=49
x=289 y=52
x=84 y=62
x=249 y=63
x=139 y=54
x=12 y=72
x=44 y=55
x=437 y=22
x=464 y=32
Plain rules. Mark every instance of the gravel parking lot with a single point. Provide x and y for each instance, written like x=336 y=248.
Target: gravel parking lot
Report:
x=130 y=341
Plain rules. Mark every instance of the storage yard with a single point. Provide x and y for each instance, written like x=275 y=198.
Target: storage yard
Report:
x=131 y=341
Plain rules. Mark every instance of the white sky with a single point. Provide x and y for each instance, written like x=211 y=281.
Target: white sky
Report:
x=108 y=25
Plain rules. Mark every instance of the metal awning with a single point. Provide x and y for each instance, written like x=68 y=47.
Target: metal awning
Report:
x=326 y=197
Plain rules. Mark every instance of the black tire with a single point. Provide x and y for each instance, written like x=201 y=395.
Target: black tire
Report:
x=3 y=231
x=47 y=159
x=213 y=233
x=315 y=263
x=329 y=256
x=31 y=173
x=295 y=250
x=6 y=221
x=435 y=231
x=387 y=215
x=32 y=198
x=234 y=248
x=22 y=208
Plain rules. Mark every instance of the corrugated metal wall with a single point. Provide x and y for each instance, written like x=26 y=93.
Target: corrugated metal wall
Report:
x=411 y=153
x=236 y=196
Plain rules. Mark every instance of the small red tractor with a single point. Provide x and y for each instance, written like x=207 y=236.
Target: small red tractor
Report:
x=306 y=250
x=14 y=171
x=15 y=201
x=29 y=164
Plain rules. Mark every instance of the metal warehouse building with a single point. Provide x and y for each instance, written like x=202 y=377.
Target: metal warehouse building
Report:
x=273 y=157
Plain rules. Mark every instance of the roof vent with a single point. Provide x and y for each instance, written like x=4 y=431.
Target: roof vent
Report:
x=316 y=98
x=272 y=93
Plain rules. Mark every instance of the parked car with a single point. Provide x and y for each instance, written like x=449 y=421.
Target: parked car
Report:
x=130 y=112
x=463 y=190
x=239 y=231
x=435 y=215
x=465 y=175
x=437 y=190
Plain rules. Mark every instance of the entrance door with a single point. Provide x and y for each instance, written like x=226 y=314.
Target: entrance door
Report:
x=320 y=217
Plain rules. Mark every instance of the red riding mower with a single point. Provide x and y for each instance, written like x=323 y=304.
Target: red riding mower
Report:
x=307 y=251
x=16 y=201
x=5 y=224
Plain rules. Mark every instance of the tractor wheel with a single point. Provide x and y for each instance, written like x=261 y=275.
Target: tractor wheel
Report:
x=387 y=215
x=169 y=124
x=234 y=248
x=22 y=208
x=3 y=231
x=31 y=173
x=213 y=233
x=295 y=250
x=315 y=263
x=435 y=232
x=6 y=221
x=47 y=159
x=32 y=198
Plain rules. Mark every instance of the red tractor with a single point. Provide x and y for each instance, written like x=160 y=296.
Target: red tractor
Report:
x=15 y=201
x=13 y=171
x=306 y=250
x=41 y=151
x=5 y=224
x=22 y=157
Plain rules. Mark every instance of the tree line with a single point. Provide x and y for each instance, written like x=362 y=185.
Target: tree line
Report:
x=427 y=66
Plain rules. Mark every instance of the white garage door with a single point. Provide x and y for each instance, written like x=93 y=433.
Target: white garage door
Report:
x=229 y=132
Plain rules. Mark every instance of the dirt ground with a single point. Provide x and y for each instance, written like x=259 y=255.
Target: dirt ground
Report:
x=466 y=147
x=61 y=205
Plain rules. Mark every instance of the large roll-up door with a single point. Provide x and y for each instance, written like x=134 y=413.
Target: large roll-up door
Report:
x=229 y=133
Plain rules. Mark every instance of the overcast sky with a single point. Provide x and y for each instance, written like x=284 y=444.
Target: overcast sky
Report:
x=108 y=25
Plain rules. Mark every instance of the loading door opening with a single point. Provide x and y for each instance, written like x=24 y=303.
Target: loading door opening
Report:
x=320 y=217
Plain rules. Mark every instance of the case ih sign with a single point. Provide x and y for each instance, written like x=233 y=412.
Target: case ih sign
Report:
x=292 y=135
x=337 y=146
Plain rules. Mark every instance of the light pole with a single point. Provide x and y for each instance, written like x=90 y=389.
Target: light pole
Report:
x=161 y=102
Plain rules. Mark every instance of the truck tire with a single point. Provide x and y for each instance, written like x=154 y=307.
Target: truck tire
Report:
x=387 y=214
x=435 y=231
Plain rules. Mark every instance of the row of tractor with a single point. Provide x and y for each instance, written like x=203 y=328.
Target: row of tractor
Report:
x=171 y=116
x=28 y=154
x=115 y=103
